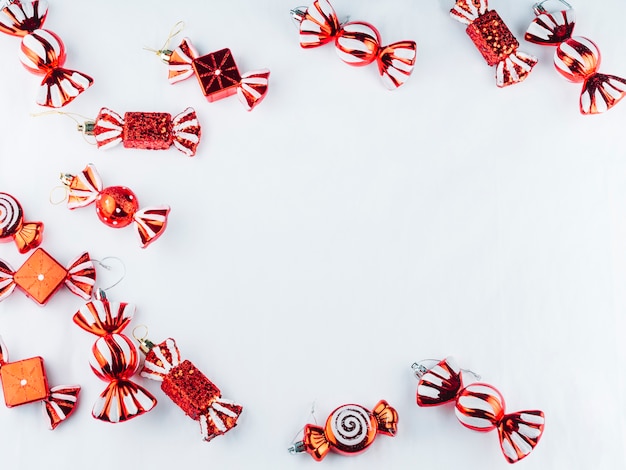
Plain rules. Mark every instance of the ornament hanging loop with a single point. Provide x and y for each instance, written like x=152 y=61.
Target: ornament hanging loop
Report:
x=102 y=263
x=539 y=9
x=165 y=52
x=423 y=366
x=144 y=343
x=56 y=189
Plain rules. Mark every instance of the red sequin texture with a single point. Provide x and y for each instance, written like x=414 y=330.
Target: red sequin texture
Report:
x=190 y=389
x=152 y=131
x=217 y=74
x=492 y=37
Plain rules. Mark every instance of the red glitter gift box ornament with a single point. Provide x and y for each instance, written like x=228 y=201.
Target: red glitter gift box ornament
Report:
x=494 y=40
x=116 y=206
x=42 y=52
x=189 y=388
x=357 y=43
x=480 y=407
x=217 y=74
x=26 y=235
x=141 y=130
x=41 y=276
x=576 y=58
x=349 y=430
x=114 y=359
x=25 y=382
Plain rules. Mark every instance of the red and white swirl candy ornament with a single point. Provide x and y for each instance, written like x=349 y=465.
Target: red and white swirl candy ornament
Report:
x=26 y=235
x=116 y=206
x=576 y=58
x=114 y=359
x=42 y=52
x=480 y=407
x=357 y=43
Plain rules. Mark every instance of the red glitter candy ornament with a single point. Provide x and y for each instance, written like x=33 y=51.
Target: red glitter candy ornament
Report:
x=42 y=52
x=114 y=359
x=116 y=206
x=480 y=407
x=349 y=430
x=217 y=74
x=357 y=43
x=576 y=58
x=25 y=382
x=494 y=40
x=189 y=388
x=26 y=235
x=151 y=131
x=41 y=276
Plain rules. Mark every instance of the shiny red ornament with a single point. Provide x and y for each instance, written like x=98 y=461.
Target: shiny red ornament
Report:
x=494 y=40
x=41 y=276
x=151 y=131
x=114 y=359
x=116 y=206
x=42 y=52
x=25 y=382
x=189 y=388
x=26 y=235
x=349 y=430
x=577 y=59
x=480 y=407
x=357 y=43
x=217 y=74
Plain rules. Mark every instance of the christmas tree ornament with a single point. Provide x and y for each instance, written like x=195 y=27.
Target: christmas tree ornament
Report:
x=217 y=73
x=494 y=40
x=116 y=206
x=26 y=235
x=42 y=52
x=114 y=359
x=576 y=58
x=25 y=382
x=349 y=430
x=41 y=276
x=189 y=388
x=479 y=406
x=357 y=43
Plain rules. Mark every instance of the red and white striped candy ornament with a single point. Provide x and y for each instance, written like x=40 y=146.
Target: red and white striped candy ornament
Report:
x=357 y=43
x=42 y=52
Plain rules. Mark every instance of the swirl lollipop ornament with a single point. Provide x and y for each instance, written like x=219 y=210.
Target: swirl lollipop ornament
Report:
x=26 y=235
x=349 y=430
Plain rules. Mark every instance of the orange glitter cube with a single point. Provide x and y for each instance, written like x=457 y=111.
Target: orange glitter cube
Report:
x=40 y=277
x=24 y=381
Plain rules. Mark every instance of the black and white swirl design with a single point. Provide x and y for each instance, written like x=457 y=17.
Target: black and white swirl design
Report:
x=350 y=425
x=10 y=215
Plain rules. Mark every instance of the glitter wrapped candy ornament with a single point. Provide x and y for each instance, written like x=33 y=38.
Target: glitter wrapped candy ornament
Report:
x=480 y=407
x=577 y=59
x=114 y=359
x=349 y=430
x=116 y=206
x=41 y=276
x=217 y=74
x=494 y=40
x=26 y=235
x=25 y=382
x=189 y=388
x=151 y=131
x=357 y=43
x=42 y=52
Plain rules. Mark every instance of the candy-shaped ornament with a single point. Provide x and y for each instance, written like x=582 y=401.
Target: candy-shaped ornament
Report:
x=494 y=40
x=357 y=43
x=114 y=359
x=116 y=206
x=217 y=73
x=25 y=382
x=478 y=406
x=41 y=276
x=13 y=227
x=189 y=388
x=349 y=430
x=576 y=58
x=42 y=52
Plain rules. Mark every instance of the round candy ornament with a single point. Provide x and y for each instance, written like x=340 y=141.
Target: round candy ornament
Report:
x=26 y=235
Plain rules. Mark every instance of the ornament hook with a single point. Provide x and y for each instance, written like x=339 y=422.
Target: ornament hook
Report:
x=52 y=198
x=165 y=52
x=539 y=9
x=421 y=367
x=144 y=343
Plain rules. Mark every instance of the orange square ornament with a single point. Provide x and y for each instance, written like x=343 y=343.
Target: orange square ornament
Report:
x=24 y=381
x=40 y=276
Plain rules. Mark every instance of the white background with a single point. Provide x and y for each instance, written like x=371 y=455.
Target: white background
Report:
x=320 y=244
